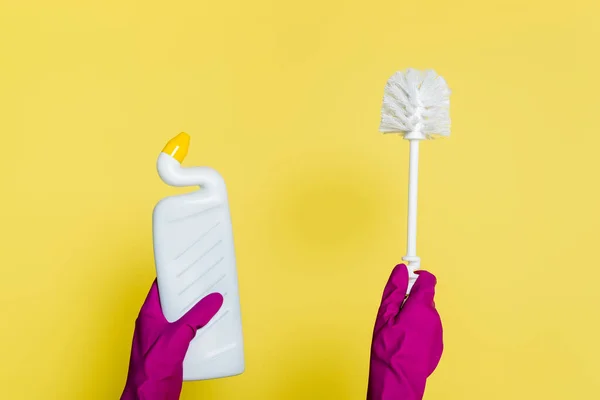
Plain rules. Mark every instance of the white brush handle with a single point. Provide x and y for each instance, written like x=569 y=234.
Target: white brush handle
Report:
x=414 y=262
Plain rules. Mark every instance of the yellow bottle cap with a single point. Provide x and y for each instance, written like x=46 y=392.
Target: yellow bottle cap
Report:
x=178 y=146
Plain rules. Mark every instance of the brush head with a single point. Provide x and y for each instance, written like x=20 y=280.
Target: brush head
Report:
x=416 y=104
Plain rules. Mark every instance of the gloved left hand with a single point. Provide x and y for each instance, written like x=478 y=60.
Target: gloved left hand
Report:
x=159 y=347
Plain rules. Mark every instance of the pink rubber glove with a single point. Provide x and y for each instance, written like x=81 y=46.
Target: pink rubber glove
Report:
x=407 y=339
x=159 y=347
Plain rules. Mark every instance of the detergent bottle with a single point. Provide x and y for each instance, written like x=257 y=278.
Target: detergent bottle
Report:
x=194 y=256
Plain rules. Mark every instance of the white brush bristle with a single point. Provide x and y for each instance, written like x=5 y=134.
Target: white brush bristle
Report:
x=416 y=103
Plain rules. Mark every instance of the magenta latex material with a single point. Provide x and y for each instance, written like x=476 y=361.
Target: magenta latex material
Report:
x=407 y=339
x=159 y=347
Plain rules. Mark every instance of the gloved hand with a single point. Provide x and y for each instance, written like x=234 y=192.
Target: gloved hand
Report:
x=407 y=339
x=159 y=347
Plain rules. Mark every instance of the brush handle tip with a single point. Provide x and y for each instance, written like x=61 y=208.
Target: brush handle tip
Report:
x=413 y=264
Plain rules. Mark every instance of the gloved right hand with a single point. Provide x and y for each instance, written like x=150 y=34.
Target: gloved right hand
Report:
x=407 y=339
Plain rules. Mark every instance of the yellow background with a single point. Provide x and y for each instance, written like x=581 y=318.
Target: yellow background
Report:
x=284 y=98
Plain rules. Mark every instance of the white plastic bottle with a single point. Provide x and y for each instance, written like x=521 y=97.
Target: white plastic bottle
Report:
x=194 y=256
